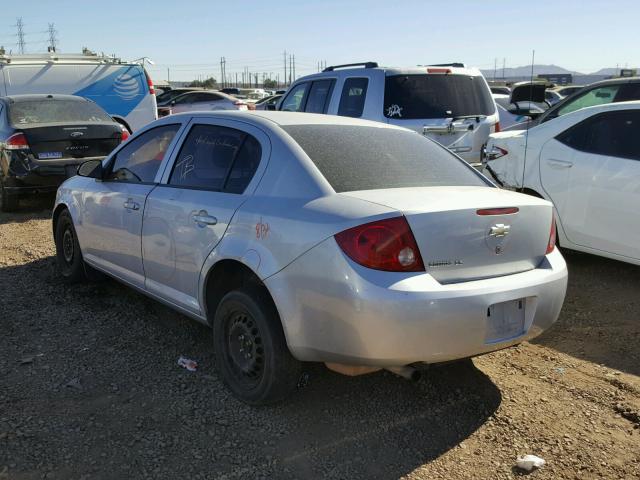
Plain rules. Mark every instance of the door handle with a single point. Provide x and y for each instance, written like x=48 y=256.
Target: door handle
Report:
x=558 y=164
x=131 y=205
x=203 y=218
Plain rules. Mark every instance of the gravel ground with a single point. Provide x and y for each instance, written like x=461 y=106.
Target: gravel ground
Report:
x=90 y=388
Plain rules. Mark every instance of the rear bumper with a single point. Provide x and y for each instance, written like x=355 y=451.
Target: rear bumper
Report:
x=22 y=175
x=333 y=310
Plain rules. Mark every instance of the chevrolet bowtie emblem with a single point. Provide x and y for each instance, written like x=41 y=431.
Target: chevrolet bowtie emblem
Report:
x=500 y=230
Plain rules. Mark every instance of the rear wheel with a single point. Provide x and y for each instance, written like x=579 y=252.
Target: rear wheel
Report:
x=250 y=348
x=68 y=255
x=9 y=203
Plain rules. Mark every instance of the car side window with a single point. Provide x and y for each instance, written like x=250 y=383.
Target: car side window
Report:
x=595 y=96
x=293 y=102
x=611 y=133
x=354 y=92
x=139 y=160
x=216 y=158
x=628 y=92
x=319 y=96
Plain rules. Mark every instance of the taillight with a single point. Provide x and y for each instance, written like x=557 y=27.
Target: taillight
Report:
x=387 y=245
x=495 y=152
x=552 y=235
x=251 y=106
x=496 y=127
x=17 y=141
x=152 y=89
x=240 y=104
x=124 y=135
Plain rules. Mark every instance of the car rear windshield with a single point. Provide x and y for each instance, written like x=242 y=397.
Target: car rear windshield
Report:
x=355 y=158
x=436 y=96
x=55 y=111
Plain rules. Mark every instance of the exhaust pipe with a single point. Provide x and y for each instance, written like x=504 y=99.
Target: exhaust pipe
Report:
x=408 y=372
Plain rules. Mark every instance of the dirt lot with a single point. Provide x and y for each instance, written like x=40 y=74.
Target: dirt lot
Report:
x=90 y=389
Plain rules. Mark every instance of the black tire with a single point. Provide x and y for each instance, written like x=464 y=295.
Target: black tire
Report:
x=250 y=348
x=68 y=255
x=9 y=203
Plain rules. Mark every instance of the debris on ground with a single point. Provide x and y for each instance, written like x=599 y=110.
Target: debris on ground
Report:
x=529 y=462
x=187 y=363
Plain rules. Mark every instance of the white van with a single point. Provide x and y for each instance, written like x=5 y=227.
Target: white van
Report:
x=123 y=89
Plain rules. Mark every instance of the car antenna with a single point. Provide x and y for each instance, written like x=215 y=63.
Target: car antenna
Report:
x=526 y=134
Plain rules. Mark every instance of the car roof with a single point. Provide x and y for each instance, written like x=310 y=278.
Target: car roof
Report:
x=43 y=96
x=390 y=71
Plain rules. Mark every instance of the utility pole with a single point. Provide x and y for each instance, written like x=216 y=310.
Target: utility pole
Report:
x=504 y=62
x=294 y=67
x=53 y=40
x=285 y=67
x=290 y=68
x=221 y=71
x=495 y=66
x=168 y=77
x=21 y=43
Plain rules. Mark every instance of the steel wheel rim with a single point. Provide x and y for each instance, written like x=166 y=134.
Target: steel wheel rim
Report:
x=245 y=350
x=68 y=246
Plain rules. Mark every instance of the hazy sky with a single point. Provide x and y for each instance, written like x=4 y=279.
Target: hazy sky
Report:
x=189 y=37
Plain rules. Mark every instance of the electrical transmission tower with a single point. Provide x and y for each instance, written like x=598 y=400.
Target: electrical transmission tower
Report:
x=53 y=39
x=21 y=43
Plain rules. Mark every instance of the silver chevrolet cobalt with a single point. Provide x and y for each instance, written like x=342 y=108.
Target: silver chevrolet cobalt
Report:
x=314 y=238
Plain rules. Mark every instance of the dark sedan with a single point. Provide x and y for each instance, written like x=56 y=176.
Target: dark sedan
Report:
x=44 y=137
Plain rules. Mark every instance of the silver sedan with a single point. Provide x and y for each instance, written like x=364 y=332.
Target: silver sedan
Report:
x=314 y=238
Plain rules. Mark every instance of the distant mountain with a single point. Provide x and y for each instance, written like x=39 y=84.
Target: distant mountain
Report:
x=525 y=71
x=609 y=71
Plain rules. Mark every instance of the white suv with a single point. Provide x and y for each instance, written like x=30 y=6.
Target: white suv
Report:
x=449 y=103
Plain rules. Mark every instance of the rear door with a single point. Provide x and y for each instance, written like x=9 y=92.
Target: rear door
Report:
x=595 y=184
x=187 y=215
x=113 y=207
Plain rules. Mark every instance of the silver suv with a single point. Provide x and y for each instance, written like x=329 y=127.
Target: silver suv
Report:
x=449 y=103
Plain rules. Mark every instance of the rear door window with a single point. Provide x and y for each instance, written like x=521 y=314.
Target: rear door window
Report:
x=354 y=93
x=216 y=158
x=319 y=96
x=355 y=158
x=419 y=96
x=293 y=102
x=628 y=92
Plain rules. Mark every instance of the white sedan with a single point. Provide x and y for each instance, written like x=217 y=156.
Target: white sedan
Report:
x=588 y=164
x=302 y=237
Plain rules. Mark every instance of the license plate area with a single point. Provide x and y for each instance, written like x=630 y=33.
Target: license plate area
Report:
x=505 y=320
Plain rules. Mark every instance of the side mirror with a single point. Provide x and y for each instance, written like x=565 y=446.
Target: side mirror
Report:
x=91 y=169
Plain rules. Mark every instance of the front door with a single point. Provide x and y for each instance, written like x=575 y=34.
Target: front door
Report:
x=187 y=215
x=113 y=208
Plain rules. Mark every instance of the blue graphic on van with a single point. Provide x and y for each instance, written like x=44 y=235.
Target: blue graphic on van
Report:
x=119 y=92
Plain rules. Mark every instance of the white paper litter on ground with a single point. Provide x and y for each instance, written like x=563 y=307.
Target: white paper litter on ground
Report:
x=529 y=462
x=187 y=363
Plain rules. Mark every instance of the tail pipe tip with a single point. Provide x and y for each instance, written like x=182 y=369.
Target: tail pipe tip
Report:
x=408 y=372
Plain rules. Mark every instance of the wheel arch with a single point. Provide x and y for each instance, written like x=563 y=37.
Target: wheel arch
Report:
x=225 y=276
x=56 y=215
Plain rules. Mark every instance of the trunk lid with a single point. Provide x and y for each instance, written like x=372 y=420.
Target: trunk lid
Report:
x=69 y=140
x=457 y=243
